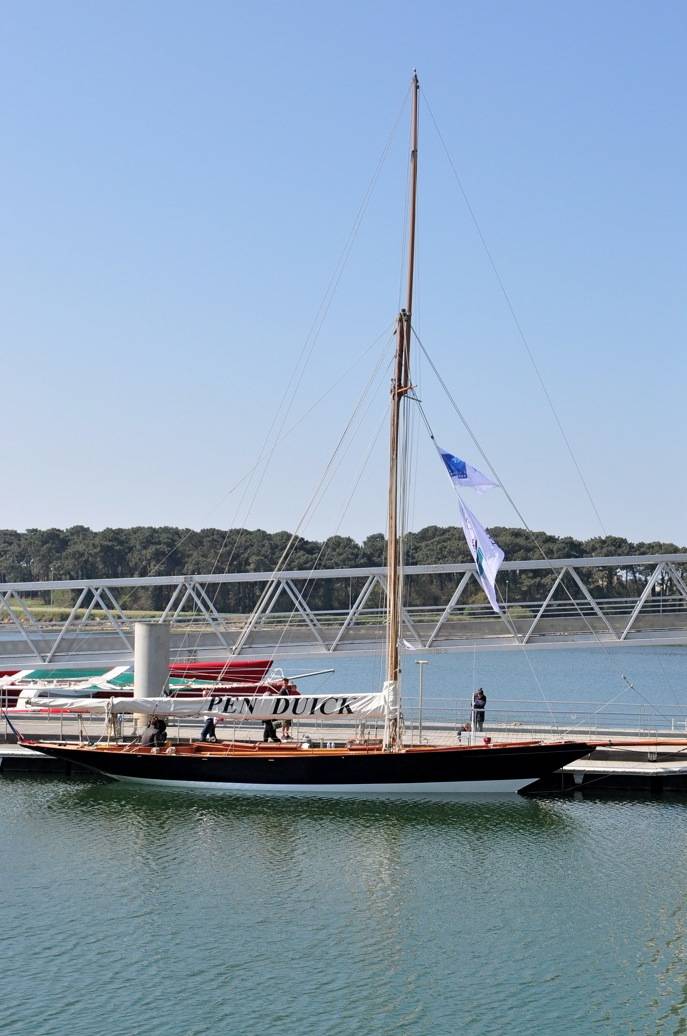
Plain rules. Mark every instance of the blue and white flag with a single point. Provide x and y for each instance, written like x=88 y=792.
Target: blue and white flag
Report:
x=463 y=474
x=487 y=554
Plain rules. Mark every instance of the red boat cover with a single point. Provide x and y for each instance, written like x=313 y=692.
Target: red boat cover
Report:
x=233 y=670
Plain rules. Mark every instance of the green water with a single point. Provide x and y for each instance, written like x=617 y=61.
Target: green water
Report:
x=127 y=911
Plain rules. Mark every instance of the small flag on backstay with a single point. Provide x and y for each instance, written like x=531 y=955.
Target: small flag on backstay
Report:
x=463 y=474
x=487 y=554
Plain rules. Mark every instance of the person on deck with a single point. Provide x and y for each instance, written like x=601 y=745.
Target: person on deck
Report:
x=269 y=732
x=209 y=733
x=290 y=689
x=155 y=733
x=479 y=703
x=148 y=735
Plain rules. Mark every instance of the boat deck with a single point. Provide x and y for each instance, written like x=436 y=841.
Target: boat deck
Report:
x=225 y=749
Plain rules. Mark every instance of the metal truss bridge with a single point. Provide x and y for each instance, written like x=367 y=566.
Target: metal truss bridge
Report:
x=98 y=630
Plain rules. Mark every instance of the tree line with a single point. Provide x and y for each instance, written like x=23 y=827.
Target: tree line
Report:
x=81 y=553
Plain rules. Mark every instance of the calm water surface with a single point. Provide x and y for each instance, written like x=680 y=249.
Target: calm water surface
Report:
x=127 y=911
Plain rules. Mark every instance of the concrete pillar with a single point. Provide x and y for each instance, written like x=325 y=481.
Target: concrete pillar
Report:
x=151 y=664
x=151 y=659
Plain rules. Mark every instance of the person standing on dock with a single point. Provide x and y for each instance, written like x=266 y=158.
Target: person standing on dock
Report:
x=479 y=703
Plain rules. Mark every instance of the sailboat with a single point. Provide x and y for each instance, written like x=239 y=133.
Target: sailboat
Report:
x=360 y=766
x=53 y=688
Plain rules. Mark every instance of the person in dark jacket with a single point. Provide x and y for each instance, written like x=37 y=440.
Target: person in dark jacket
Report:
x=479 y=703
x=155 y=733
x=209 y=733
x=148 y=735
x=269 y=732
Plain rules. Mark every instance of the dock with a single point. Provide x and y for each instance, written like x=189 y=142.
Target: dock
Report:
x=15 y=760
x=648 y=769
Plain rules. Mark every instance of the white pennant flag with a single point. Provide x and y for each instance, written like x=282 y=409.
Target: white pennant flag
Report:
x=463 y=474
x=487 y=554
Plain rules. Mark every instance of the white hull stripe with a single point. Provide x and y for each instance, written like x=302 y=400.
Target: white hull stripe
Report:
x=411 y=788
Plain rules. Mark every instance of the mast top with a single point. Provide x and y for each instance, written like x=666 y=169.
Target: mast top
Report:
x=415 y=87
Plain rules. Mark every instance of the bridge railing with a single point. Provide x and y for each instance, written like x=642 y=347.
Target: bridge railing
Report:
x=97 y=625
x=333 y=618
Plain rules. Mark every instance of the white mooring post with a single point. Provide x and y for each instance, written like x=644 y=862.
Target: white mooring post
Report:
x=422 y=662
x=151 y=660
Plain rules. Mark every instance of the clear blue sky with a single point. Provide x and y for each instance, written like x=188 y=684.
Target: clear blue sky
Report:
x=178 y=181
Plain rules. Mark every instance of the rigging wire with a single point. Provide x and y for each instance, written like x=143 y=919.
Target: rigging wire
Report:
x=303 y=358
x=151 y=570
x=312 y=337
x=336 y=461
x=384 y=334
x=520 y=515
x=316 y=498
x=309 y=584
x=330 y=469
x=505 y=614
x=328 y=297
x=295 y=537
x=514 y=316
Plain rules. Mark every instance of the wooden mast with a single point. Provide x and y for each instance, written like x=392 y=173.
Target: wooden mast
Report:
x=399 y=388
